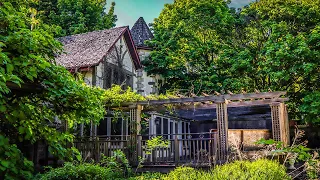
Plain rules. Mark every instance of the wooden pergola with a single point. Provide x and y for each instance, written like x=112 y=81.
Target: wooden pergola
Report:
x=280 y=125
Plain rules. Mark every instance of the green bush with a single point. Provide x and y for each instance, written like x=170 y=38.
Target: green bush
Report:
x=147 y=176
x=260 y=169
x=83 y=171
x=239 y=170
x=117 y=163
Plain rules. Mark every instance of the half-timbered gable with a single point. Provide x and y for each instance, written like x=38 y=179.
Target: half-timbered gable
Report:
x=104 y=57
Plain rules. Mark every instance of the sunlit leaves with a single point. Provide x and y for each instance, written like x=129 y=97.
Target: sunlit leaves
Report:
x=275 y=46
x=77 y=16
x=27 y=51
x=187 y=36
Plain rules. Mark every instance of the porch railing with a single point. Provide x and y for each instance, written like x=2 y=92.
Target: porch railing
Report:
x=192 y=149
x=195 y=149
x=95 y=147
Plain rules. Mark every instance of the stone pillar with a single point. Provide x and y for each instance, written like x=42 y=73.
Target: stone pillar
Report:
x=140 y=81
x=222 y=136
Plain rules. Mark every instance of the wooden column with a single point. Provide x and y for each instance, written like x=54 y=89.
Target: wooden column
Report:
x=138 y=119
x=222 y=126
x=109 y=123
x=135 y=121
x=151 y=125
x=81 y=129
x=280 y=125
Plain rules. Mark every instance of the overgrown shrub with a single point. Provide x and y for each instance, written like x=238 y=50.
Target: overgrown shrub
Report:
x=117 y=163
x=12 y=163
x=147 y=176
x=260 y=169
x=83 y=171
x=239 y=170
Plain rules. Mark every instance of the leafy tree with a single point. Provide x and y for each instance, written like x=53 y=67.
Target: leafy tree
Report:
x=77 y=16
x=275 y=45
x=270 y=44
x=187 y=36
x=27 y=51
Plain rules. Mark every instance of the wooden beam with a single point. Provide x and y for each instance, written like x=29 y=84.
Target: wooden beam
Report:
x=254 y=95
x=256 y=102
x=217 y=99
x=160 y=107
x=254 y=99
x=230 y=104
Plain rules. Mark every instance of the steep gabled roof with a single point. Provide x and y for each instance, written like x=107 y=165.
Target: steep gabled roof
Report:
x=140 y=33
x=89 y=49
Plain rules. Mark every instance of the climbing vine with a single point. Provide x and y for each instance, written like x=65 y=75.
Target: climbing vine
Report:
x=49 y=100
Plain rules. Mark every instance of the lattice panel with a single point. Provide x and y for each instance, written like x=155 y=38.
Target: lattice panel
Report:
x=133 y=120
x=222 y=126
x=280 y=124
x=133 y=134
x=276 y=122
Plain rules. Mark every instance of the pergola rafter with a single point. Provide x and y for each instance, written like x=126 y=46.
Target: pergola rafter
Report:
x=268 y=96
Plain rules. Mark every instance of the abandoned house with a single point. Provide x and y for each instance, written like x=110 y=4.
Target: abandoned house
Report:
x=104 y=57
x=196 y=133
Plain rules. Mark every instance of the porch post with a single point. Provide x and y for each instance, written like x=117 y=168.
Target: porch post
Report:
x=109 y=126
x=138 y=134
x=151 y=124
x=280 y=125
x=81 y=129
x=138 y=118
x=222 y=126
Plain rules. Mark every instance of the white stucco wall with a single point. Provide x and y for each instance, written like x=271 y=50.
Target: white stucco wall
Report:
x=127 y=61
x=128 y=64
x=88 y=77
x=99 y=74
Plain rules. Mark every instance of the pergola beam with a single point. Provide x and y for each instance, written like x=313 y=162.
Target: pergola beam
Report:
x=159 y=107
x=216 y=99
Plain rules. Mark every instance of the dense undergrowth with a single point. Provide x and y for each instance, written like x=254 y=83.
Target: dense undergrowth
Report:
x=240 y=170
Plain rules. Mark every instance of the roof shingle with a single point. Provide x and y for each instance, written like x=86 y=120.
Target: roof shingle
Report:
x=88 y=49
x=140 y=33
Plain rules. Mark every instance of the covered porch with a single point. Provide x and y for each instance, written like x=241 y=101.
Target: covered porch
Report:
x=187 y=145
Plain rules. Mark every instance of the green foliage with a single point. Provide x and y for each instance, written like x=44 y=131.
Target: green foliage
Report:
x=77 y=16
x=204 y=46
x=115 y=96
x=311 y=107
x=27 y=51
x=118 y=162
x=12 y=163
x=79 y=172
x=147 y=176
x=239 y=170
x=298 y=150
x=275 y=46
x=114 y=167
x=260 y=169
x=156 y=142
x=187 y=36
